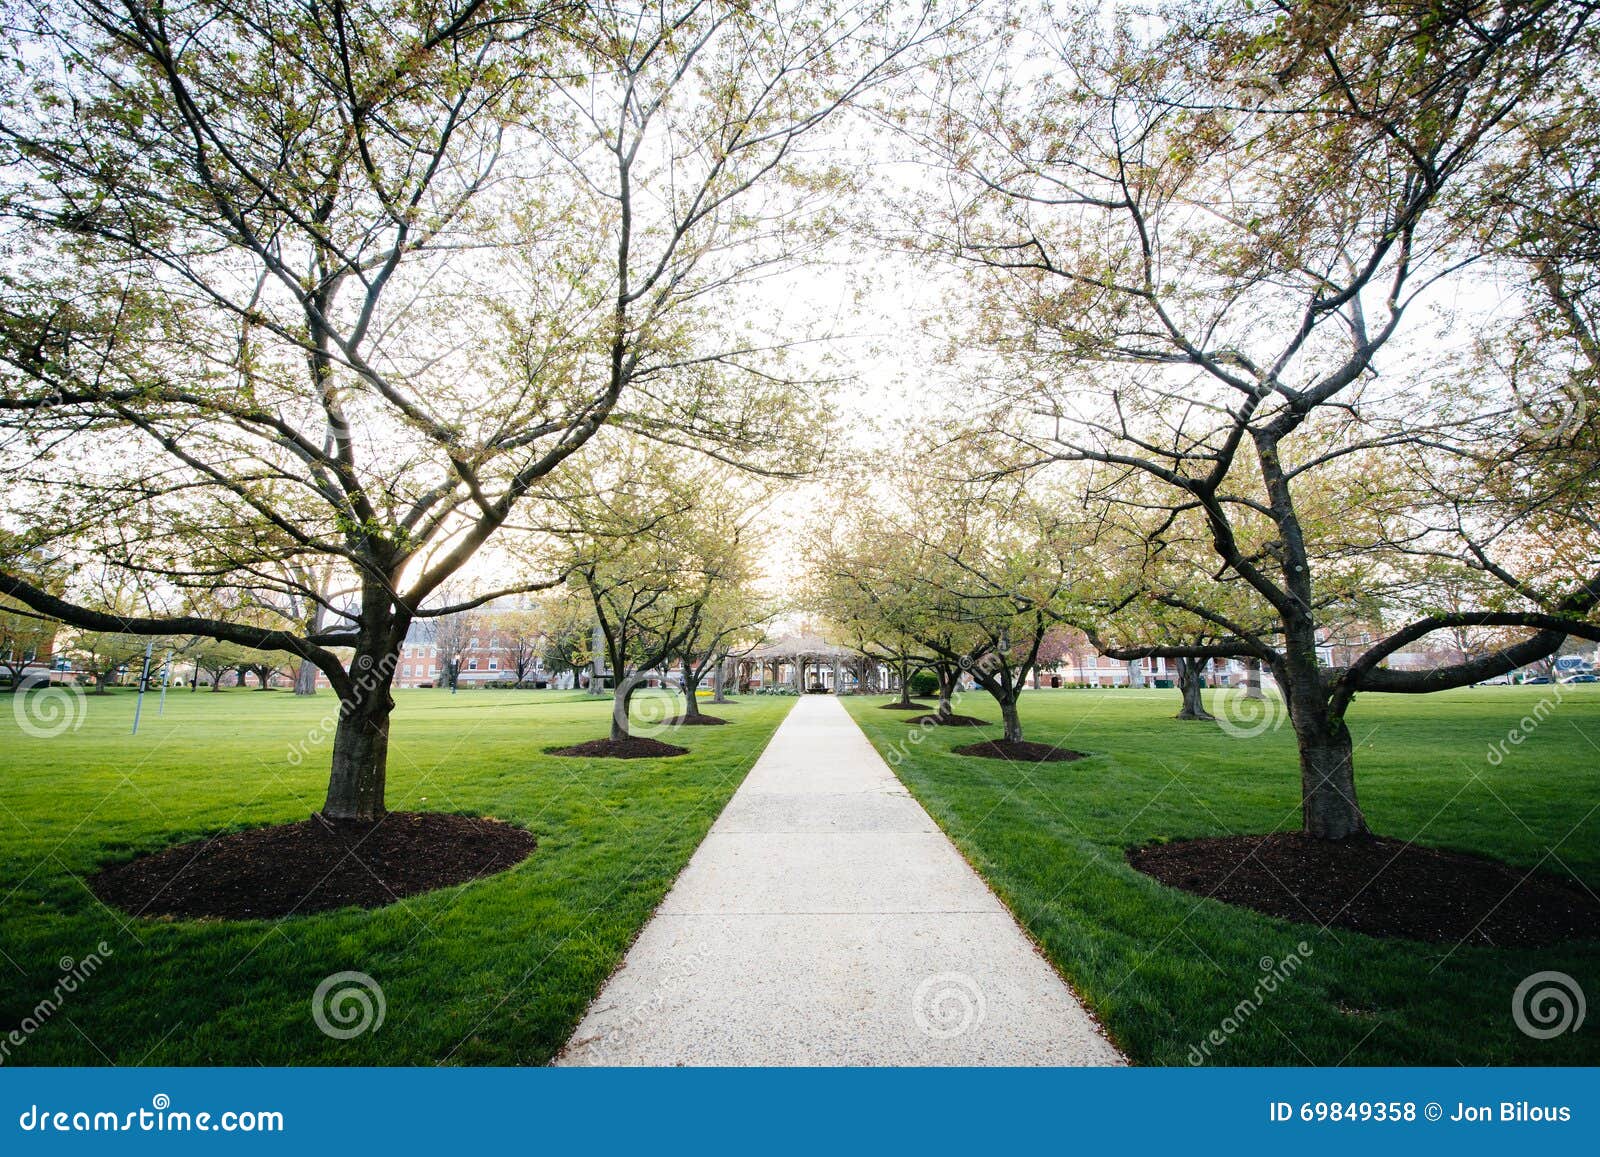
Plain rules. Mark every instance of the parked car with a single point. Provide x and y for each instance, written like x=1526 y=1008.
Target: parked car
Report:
x=1497 y=681
x=1584 y=678
x=1537 y=679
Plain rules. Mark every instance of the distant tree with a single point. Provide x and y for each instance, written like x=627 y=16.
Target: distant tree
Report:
x=452 y=635
x=523 y=633
x=106 y=655
x=24 y=637
x=653 y=548
x=569 y=633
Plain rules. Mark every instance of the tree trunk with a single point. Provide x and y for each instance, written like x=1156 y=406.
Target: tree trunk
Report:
x=1012 y=721
x=1189 y=683
x=361 y=737
x=361 y=743
x=905 y=686
x=305 y=678
x=718 y=683
x=948 y=676
x=1329 y=810
x=620 y=699
x=691 y=694
x=1252 y=679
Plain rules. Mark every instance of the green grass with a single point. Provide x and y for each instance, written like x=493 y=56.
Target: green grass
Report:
x=493 y=972
x=1163 y=969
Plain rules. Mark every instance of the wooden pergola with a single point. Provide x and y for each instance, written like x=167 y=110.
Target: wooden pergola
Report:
x=811 y=663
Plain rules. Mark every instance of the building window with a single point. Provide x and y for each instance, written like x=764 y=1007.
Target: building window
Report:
x=494 y=664
x=472 y=664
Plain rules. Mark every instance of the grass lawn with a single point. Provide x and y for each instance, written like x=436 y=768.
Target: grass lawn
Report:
x=493 y=972
x=1163 y=968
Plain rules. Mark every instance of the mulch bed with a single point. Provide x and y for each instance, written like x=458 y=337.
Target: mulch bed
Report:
x=1023 y=752
x=695 y=721
x=951 y=721
x=637 y=747
x=313 y=866
x=1378 y=886
x=906 y=706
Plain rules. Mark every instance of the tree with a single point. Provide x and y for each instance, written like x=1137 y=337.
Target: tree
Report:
x=1190 y=284
x=452 y=635
x=733 y=616
x=105 y=655
x=24 y=637
x=648 y=549
x=568 y=633
x=347 y=286
x=978 y=575
x=209 y=657
x=523 y=631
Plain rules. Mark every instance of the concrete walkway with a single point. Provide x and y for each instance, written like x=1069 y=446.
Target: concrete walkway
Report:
x=826 y=920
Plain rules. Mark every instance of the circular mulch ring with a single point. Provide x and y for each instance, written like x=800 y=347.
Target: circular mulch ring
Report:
x=694 y=721
x=1023 y=752
x=951 y=721
x=635 y=747
x=906 y=706
x=313 y=866
x=1378 y=886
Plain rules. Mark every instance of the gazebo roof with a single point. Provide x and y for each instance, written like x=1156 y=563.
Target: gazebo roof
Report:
x=801 y=647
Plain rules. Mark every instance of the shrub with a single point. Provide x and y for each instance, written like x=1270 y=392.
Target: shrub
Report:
x=923 y=683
